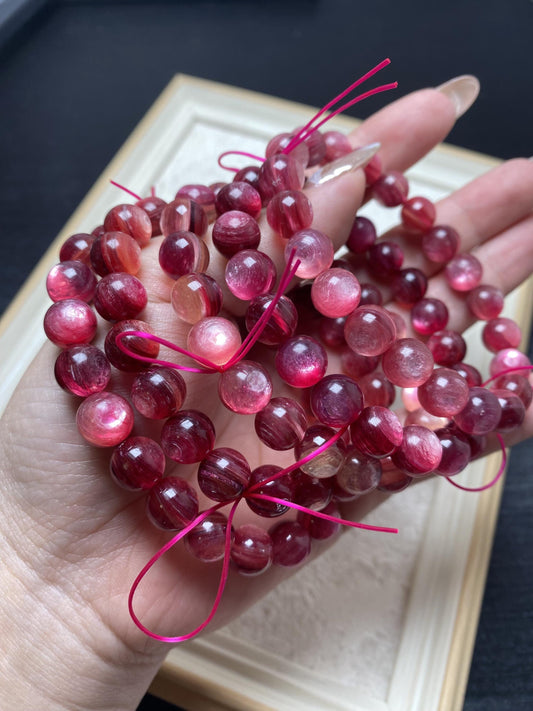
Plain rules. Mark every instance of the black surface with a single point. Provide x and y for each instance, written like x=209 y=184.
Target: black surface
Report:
x=79 y=76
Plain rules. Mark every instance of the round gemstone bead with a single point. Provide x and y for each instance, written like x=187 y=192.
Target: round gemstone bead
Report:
x=310 y=491
x=409 y=286
x=370 y=295
x=71 y=280
x=419 y=453
x=281 y=323
x=316 y=144
x=444 y=393
x=408 y=363
x=280 y=172
x=250 y=273
x=291 y=543
x=356 y=365
x=370 y=330
x=335 y=292
x=373 y=170
x=251 y=550
x=384 y=259
x=500 y=333
x=238 y=195
x=301 y=361
x=418 y=214
x=278 y=143
x=281 y=424
x=447 y=347
x=82 y=370
x=120 y=296
x=183 y=214
x=281 y=488
x=329 y=461
x=136 y=344
x=104 y=419
x=182 y=253
x=485 y=302
x=319 y=528
x=455 y=452
x=132 y=220
x=288 y=212
x=137 y=463
x=188 y=436
x=234 y=231
x=77 y=248
x=336 y=400
x=377 y=389
x=429 y=316
x=70 y=322
x=202 y=195
x=172 y=503
x=245 y=387
x=425 y=419
x=158 y=392
x=313 y=249
x=377 y=431
x=207 y=540
x=517 y=384
x=331 y=331
x=223 y=474
x=508 y=359
x=464 y=272
x=391 y=189
x=115 y=252
x=195 y=296
x=249 y=174
x=153 y=206
x=359 y=474
x=362 y=235
x=337 y=145
x=393 y=480
x=215 y=339
x=481 y=414
x=469 y=373
x=98 y=231
x=440 y=244
x=513 y=410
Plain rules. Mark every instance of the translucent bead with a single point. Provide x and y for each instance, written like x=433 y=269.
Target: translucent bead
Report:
x=120 y=296
x=362 y=235
x=115 y=252
x=153 y=206
x=455 y=452
x=281 y=424
x=336 y=400
x=408 y=363
x=291 y=543
x=70 y=322
x=331 y=331
x=444 y=393
x=136 y=344
x=384 y=259
x=172 y=504
x=447 y=347
x=223 y=474
x=195 y=296
x=207 y=540
x=328 y=462
x=313 y=249
x=418 y=214
x=251 y=550
x=215 y=339
x=373 y=170
x=370 y=295
x=281 y=141
x=425 y=419
x=182 y=253
x=241 y=196
x=137 y=463
x=337 y=145
x=250 y=273
x=104 y=419
x=280 y=325
x=513 y=410
x=158 y=392
x=310 y=491
x=245 y=388
x=508 y=359
x=82 y=370
x=399 y=323
x=481 y=414
x=335 y=292
x=370 y=330
x=301 y=361
x=319 y=528
x=463 y=272
x=440 y=244
x=391 y=189
x=517 y=384
x=71 y=280
x=393 y=480
x=359 y=474
x=501 y=333
x=234 y=231
x=485 y=302
x=98 y=231
x=316 y=144
x=249 y=174
x=187 y=436
x=409 y=286
x=202 y=195
x=377 y=431
x=183 y=214
x=429 y=316
x=288 y=212
x=419 y=453
x=356 y=365
x=280 y=172
x=77 y=248
x=132 y=220
x=281 y=488
x=377 y=389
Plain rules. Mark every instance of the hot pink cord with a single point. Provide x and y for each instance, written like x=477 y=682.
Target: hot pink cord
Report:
x=126 y=190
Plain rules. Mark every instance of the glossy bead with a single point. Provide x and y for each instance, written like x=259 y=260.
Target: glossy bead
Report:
x=104 y=419
x=172 y=504
x=207 y=540
x=455 y=452
x=356 y=365
x=281 y=323
x=202 y=195
x=223 y=474
x=183 y=214
x=120 y=296
x=485 y=302
x=377 y=431
x=440 y=244
x=370 y=330
x=469 y=373
x=280 y=172
x=250 y=273
x=158 y=392
x=370 y=295
x=240 y=196
x=291 y=543
x=508 y=359
x=447 y=347
x=329 y=461
x=245 y=388
x=153 y=206
x=408 y=363
x=337 y=145
x=136 y=344
x=215 y=339
x=281 y=141
x=393 y=480
x=182 y=253
x=82 y=370
x=132 y=220
x=517 y=384
x=429 y=316
x=137 y=463
x=331 y=331
x=335 y=292
x=71 y=280
x=249 y=174
x=281 y=424
x=359 y=474
x=251 y=550
x=418 y=214
x=301 y=361
x=188 y=436
x=384 y=259
x=463 y=272
x=288 y=212
x=313 y=249
x=310 y=491
x=399 y=323
x=419 y=453
x=444 y=393
x=377 y=389
x=481 y=414
x=70 y=322
x=195 y=296
x=373 y=170
x=362 y=235
x=391 y=189
x=336 y=400
x=115 y=252
x=513 y=410
x=234 y=231
x=281 y=488
x=98 y=231
x=500 y=333
x=408 y=286
x=77 y=248
x=321 y=529
x=316 y=144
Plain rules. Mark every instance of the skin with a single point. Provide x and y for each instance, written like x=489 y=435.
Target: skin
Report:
x=72 y=542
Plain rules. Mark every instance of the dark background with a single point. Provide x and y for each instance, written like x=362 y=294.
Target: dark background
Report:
x=76 y=77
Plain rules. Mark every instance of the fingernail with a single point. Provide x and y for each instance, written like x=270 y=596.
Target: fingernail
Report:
x=347 y=164
x=463 y=91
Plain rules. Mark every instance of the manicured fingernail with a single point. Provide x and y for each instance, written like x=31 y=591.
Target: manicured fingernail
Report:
x=463 y=91
x=347 y=164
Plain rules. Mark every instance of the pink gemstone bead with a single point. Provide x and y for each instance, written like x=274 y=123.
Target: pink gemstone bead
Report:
x=362 y=235
x=425 y=419
x=250 y=273
x=195 y=296
x=356 y=365
x=71 y=280
x=70 y=322
x=377 y=389
x=245 y=388
x=331 y=331
x=77 y=248
x=335 y=292
x=207 y=540
x=419 y=453
x=370 y=330
x=188 y=436
x=115 y=252
x=301 y=361
x=485 y=302
x=329 y=461
x=280 y=172
x=391 y=189
x=384 y=259
x=183 y=214
x=464 y=272
x=481 y=413
x=370 y=295
x=444 y=393
x=469 y=373
x=158 y=392
x=399 y=323
x=418 y=214
x=393 y=480
x=316 y=144
x=281 y=141
x=281 y=424
x=215 y=339
x=409 y=286
x=132 y=220
x=455 y=452
x=280 y=325
x=182 y=253
x=104 y=419
x=377 y=431
x=319 y=528
x=251 y=550
x=513 y=410
x=337 y=145
x=429 y=316
x=336 y=400
x=359 y=474
x=172 y=504
x=234 y=231
x=288 y=212
x=408 y=363
x=508 y=359
x=202 y=195
x=82 y=370
x=153 y=206
x=440 y=244
x=448 y=347
x=223 y=474
x=136 y=344
x=314 y=249
x=517 y=384
x=291 y=543
x=240 y=196
x=310 y=491
x=120 y=296
x=501 y=333
x=98 y=231
x=281 y=488
x=249 y=174
x=373 y=170
x=137 y=463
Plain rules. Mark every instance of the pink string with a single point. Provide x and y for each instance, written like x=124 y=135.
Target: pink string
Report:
x=126 y=190
x=494 y=480
x=152 y=191
x=209 y=366
x=237 y=153
x=506 y=371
